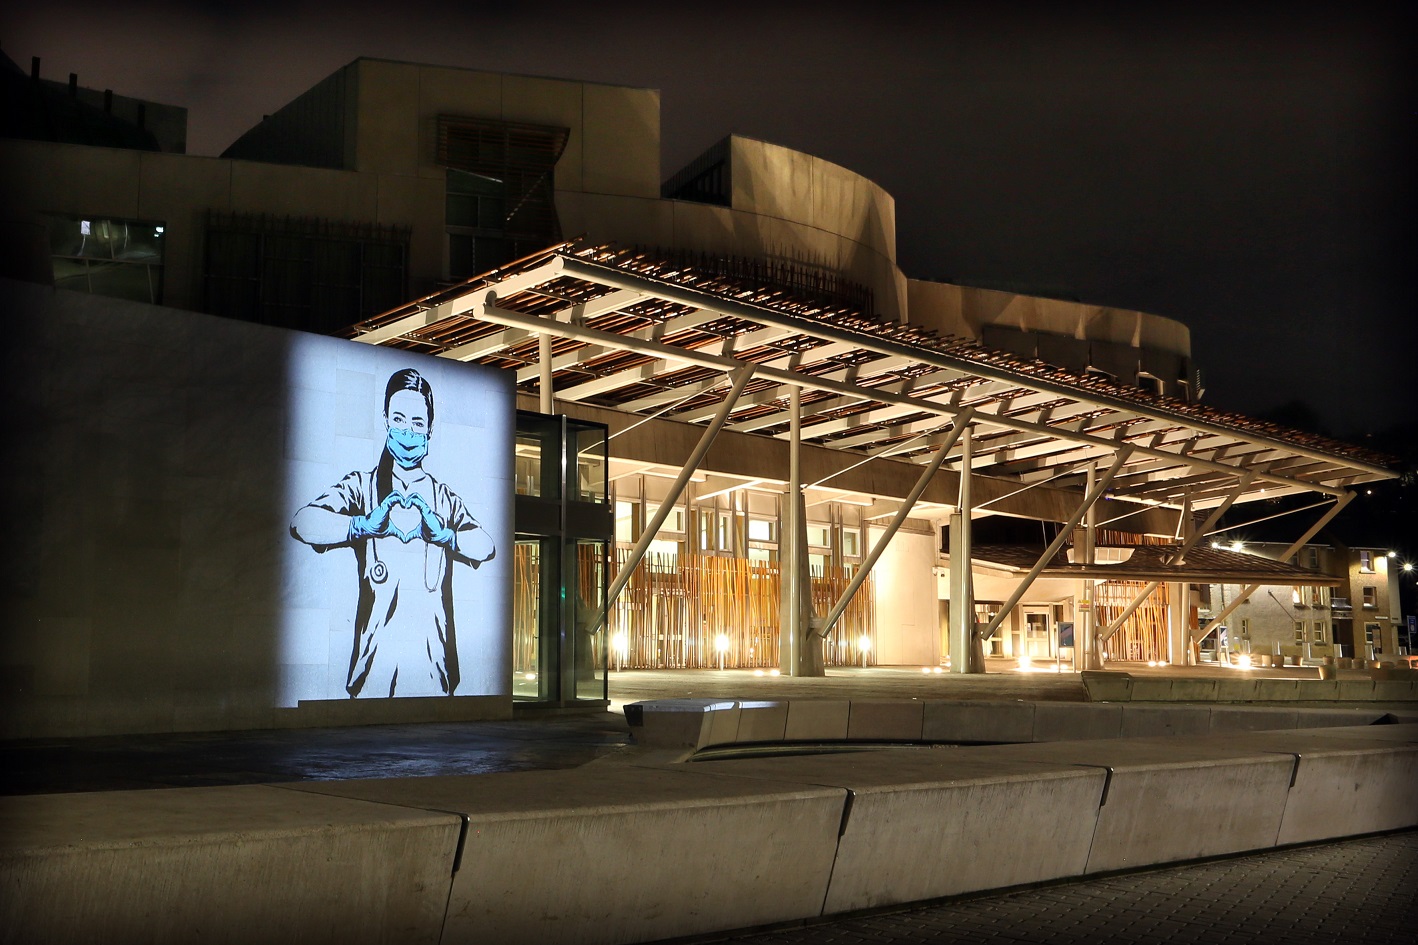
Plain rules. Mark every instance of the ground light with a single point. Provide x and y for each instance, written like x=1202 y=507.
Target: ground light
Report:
x=864 y=645
x=620 y=643
x=721 y=646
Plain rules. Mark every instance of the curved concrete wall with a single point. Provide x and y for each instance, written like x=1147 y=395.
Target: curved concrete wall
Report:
x=635 y=850
x=1076 y=335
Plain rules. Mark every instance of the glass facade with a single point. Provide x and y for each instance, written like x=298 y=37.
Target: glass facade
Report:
x=564 y=526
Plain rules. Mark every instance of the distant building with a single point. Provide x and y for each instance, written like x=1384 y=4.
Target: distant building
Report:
x=1350 y=610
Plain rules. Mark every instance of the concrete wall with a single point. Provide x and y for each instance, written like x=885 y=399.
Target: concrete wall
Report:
x=1076 y=335
x=635 y=848
x=150 y=592
x=906 y=611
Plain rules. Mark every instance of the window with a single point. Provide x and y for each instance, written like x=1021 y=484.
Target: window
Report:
x=674 y=522
x=851 y=542
x=308 y=274
x=627 y=522
x=1366 y=561
x=122 y=259
x=1321 y=632
x=473 y=213
x=1313 y=554
x=1371 y=633
x=498 y=194
x=1371 y=597
x=760 y=529
x=819 y=536
x=666 y=551
x=1299 y=631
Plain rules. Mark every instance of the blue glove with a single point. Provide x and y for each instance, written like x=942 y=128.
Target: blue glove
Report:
x=376 y=523
x=434 y=529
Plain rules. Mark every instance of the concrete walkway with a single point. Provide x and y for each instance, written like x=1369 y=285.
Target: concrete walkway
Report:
x=1360 y=892
x=529 y=743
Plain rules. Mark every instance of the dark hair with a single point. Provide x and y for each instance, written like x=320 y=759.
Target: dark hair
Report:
x=407 y=379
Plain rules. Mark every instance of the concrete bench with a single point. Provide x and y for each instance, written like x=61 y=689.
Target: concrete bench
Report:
x=250 y=863
x=633 y=849
x=682 y=727
x=606 y=854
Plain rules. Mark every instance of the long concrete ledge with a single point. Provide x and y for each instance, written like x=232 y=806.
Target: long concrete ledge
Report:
x=633 y=849
x=690 y=725
x=1389 y=685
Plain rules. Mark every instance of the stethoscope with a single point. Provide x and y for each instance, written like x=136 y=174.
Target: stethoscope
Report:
x=379 y=571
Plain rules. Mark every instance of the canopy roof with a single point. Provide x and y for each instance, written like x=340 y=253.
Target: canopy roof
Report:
x=1151 y=562
x=647 y=336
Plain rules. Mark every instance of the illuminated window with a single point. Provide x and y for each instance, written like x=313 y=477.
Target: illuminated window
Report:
x=760 y=529
x=121 y=259
x=627 y=522
x=1371 y=597
x=819 y=536
x=851 y=542
x=1366 y=561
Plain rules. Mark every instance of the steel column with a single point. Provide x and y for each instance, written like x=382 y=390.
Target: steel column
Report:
x=545 y=367
x=1180 y=559
x=962 y=598
x=1063 y=536
x=879 y=548
x=652 y=527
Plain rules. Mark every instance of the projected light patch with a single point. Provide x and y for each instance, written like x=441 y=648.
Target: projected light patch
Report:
x=399 y=488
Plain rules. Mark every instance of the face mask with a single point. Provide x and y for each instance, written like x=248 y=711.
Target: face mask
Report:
x=407 y=447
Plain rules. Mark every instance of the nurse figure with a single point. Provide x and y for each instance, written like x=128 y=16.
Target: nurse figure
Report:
x=406 y=530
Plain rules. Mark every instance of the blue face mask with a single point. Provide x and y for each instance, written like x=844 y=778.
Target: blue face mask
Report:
x=407 y=447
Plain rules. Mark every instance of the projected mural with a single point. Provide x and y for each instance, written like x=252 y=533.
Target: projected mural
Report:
x=415 y=604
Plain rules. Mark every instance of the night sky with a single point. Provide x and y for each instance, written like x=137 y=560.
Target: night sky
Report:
x=1245 y=169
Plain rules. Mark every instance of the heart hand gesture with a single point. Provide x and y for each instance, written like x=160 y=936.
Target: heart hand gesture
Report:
x=431 y=527
x=376 y=524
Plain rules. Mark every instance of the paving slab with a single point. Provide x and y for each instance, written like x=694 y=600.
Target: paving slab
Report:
x=896 y=721
x=817 y=720
x=762 y=721
x=978 y=722
x=1066 y=721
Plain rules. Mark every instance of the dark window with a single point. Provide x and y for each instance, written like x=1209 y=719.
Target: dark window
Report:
x=313 y=275
x=500 y=192
x=122 y=259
